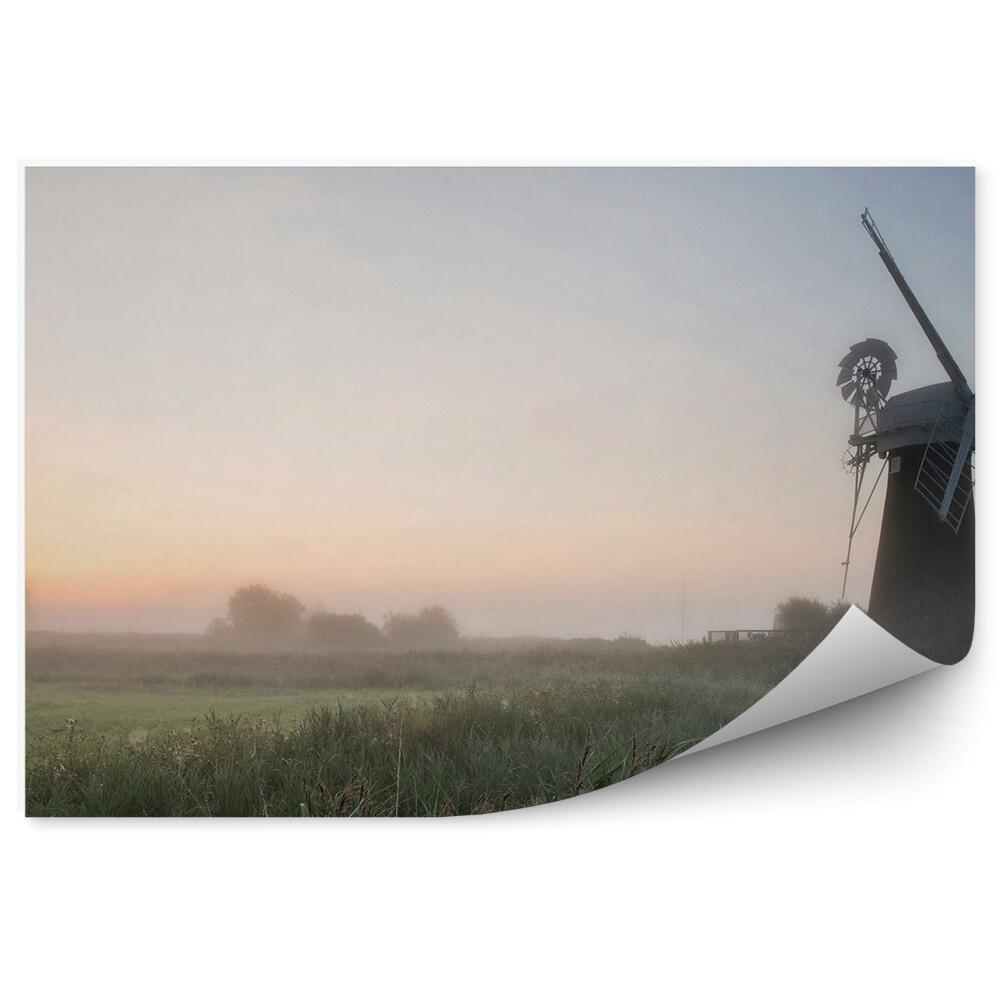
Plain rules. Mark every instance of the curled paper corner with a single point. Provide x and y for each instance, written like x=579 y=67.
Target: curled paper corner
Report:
x=856 y=658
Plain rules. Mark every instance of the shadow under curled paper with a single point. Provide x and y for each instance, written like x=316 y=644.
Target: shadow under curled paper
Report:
x=437 y=491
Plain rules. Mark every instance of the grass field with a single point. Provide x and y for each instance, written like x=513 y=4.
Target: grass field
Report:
x=194 y=732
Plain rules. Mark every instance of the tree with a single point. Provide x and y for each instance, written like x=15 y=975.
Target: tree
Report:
x=430 y=626
x=344 y=631
x=259 y=612
x=801 y=613
x=837 y=610
x=808 y=613
x=219 y=630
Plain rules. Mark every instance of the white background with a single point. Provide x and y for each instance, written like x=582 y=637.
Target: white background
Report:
x=849 y=854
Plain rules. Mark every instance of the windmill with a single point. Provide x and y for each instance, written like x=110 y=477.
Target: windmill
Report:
x=923 y=588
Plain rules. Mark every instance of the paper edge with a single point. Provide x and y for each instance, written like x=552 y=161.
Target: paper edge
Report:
x=856 y=658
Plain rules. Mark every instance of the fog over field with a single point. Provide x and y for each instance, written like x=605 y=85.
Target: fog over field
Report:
x=564 y=402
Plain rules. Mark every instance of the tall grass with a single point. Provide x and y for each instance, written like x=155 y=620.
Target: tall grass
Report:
x=514 y=731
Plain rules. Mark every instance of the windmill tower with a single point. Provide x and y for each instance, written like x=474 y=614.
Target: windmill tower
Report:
x=923 y=588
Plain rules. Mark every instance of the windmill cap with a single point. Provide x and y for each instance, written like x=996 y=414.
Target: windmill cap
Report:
x=909 y=417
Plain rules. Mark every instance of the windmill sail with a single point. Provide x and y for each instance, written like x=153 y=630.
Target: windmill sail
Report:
x=945 y=478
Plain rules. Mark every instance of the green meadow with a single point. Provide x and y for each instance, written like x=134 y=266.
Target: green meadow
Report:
x=200 y=732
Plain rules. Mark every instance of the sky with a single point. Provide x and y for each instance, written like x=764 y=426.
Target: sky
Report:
x=560 y=401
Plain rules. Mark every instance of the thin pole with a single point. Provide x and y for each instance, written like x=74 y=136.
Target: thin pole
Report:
x=859 y=473
x=683 y=606
x=856 y=521
x=871 y=494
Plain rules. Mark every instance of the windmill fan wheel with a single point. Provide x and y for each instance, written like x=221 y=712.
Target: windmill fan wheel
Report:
x=854 y=459
x=866 y=373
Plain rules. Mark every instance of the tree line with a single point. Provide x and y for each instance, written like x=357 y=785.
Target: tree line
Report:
x=259 y=616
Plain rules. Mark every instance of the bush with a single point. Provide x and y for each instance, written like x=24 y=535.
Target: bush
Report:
x=432 y=626
x=343 y=631
x=809 y=613
x=837 y=610
x=219 y=630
